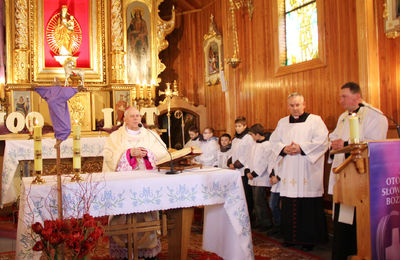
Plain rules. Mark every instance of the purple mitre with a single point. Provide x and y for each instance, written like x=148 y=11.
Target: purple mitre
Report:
x=57 y=97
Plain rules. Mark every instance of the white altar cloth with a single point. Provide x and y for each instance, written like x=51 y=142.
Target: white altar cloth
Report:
x=17 y=150
x=226 y=221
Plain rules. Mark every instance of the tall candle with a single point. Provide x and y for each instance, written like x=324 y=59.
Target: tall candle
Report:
x=76 y=147
x=354 y=129
x=37 y=147
x=107 y=112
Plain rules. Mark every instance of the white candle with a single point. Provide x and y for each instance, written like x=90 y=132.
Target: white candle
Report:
x=107 y=112
x=37 y=148
x=76 y=147
x=354 y=125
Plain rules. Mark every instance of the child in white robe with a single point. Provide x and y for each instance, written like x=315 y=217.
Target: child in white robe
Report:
x=257 y=170
x=224 y=151
x=241 y=146
x=209 y=146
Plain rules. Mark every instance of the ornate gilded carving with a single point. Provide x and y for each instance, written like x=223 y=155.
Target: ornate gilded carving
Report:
x=21 y=65
x=116 y=26
x=117 y=43
x=21 y=24
x=21 y=51
x=163 y=29
x=391 y=19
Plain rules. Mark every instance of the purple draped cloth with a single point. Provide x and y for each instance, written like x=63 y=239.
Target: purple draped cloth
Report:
x=57 y=97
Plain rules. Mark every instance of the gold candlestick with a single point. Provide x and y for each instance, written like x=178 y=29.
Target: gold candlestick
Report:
x=168 y=96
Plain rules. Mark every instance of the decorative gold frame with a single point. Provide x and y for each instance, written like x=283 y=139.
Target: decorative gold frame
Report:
x=391 y=16
x=25 y=33
x=158 y=31
x=12 y=99
x=211 y=40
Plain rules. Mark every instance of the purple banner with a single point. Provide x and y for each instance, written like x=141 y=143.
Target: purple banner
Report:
x=384 y=161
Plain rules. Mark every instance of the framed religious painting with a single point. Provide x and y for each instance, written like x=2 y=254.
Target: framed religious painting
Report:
x=391 y=16
x=144 y=38
x=212 y=54
x=121 y=101
x=57 y=31
x=21 y=101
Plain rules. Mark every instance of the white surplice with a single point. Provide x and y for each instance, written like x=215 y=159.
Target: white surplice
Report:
x=301 y=175
x=119 y=141
x=373 y=126
x=241 y=150
x=210 y=148
x=223 y=158
x=259 y=162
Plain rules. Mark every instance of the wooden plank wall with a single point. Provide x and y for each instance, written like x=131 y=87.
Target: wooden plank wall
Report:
x=389 y=70
x=254 y=90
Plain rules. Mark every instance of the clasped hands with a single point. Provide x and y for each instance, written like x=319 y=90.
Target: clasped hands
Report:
x=138 y=152
x=337 y=144
x=292 y=149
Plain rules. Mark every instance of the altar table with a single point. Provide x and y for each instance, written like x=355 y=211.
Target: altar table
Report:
x=226 y=228
x=18 y=150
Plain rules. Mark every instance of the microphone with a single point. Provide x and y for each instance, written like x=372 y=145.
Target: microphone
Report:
x=171 y=165
x=381 y=113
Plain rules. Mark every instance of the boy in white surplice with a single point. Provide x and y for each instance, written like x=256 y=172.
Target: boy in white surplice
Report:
x=257 y=170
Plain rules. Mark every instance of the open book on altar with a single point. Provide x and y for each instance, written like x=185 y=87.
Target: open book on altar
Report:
x=185 y=153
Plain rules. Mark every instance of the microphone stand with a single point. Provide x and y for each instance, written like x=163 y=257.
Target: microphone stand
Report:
x=171 y=164
x=379 y=112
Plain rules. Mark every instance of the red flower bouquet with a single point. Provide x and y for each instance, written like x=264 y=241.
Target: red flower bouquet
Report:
x=80 y=236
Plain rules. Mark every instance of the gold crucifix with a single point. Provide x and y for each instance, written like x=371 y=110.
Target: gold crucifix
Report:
x=169 y=94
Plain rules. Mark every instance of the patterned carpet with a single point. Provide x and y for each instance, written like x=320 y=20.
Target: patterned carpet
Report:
x=264 y=248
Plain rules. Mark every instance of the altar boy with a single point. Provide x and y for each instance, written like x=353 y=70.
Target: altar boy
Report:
x=241 y=146
x=257 y=171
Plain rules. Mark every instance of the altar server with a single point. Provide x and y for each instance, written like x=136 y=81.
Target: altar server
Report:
x=257 y=170
x=241 y=146
x=209 y=147
x=224 y=152
x=300 y=140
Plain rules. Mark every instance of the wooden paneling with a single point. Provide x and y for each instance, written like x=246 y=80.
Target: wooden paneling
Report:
x=389 y=70
x=254 y=90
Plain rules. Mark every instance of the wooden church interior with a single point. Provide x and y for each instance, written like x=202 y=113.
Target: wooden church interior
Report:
x=357 y=41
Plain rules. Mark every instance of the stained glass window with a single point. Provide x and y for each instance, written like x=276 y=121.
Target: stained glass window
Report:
x=301 y=31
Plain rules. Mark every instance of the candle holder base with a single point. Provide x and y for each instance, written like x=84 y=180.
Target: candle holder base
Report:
x=38 y=179
x=77 y=176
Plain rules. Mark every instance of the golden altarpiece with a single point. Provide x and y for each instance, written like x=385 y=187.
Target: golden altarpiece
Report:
x=114 y=45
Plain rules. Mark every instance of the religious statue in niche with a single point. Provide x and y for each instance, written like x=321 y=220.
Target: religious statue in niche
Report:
x=138 y=47
x=63 y=33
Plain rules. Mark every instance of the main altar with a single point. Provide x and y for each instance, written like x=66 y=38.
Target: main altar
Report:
x=110 y=47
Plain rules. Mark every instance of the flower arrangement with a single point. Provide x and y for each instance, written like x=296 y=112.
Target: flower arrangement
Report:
x=80 y=236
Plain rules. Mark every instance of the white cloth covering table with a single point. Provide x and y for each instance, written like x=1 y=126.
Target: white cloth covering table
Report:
x=18 y=150
x=226 y=221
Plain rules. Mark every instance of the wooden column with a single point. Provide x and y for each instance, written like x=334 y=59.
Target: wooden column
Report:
x=368 y=56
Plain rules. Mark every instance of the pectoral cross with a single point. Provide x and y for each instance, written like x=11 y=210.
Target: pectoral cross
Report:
x=169 y=94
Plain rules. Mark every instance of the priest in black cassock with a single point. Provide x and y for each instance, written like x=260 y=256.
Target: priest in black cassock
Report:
x=299 y=143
